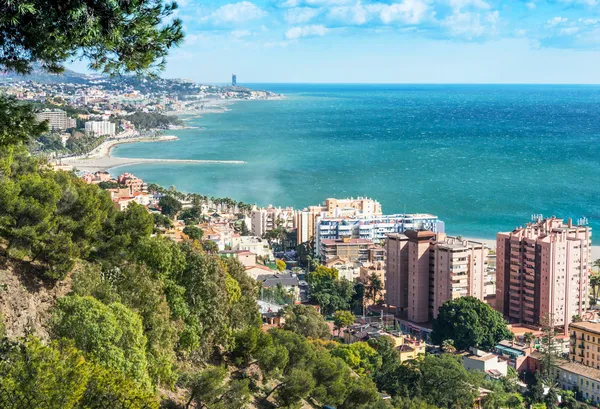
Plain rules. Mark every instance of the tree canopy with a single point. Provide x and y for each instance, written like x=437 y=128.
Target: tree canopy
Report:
x=116 y=37
x=469 y=322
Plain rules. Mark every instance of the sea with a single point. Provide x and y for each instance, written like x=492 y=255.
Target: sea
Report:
x=483 y=158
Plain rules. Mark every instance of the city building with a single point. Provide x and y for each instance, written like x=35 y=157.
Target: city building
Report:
x=585 y=343
x=131 y=181
x=100 y=128
x=425 y=269
x=374 y=228
x=351 y=250
x=584 y=379
x=246 y=258
x=263 y=220
x=289 y=282
x=489 y=280
x=542 y=272
x=491 y=364
x=57 y=119
x=350 y=207
x=233 y=80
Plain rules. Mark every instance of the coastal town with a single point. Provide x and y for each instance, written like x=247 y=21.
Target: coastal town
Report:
x=408 y=268
x=391 y=275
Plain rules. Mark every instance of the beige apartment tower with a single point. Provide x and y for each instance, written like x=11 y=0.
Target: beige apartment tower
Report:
x=424 y=270
x=542 y=272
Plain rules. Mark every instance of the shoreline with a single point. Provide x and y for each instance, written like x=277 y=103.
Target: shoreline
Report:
x=100 y=158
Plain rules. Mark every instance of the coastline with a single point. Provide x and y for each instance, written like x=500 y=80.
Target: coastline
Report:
x=100 y=158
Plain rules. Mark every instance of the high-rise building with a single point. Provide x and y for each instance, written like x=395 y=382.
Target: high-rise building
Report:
x=57 y=119
x=542 y=272
x=100 y=128
x=233 y=80
x=424 y=270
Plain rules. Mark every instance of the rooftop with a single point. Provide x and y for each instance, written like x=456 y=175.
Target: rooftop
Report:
x=586 y=326
x=271 y=280
x=331 y=242
x=582 y=370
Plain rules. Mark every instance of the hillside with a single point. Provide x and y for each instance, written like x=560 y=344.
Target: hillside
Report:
x=26 y=300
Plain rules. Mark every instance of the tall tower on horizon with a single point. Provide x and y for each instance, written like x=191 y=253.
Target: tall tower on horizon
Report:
x=233 y=80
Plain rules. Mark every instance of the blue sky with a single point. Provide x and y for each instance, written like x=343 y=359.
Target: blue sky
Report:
x=391 y=41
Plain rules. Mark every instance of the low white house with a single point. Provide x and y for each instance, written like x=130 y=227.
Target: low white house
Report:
x=493 y=365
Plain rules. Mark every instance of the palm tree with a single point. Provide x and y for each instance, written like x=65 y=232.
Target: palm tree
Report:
x=448 y=346
x=528 y=337
x=595 y=281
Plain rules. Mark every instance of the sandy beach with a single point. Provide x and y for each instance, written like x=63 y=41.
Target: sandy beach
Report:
x=100 y=159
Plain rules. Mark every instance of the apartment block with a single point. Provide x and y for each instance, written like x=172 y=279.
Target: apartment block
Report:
x=374 y=228
x=425 y=269
x=585 y=343
x=350 y=207
x=266 y=219
x=350 y=250
x=57 y=119
x=542 y=272
x=100 y=128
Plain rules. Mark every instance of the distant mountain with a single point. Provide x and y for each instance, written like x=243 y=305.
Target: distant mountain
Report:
x=39 y=75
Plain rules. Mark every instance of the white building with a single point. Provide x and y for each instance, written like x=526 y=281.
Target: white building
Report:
x=100 y=128
x=491 y=364
x=266 y=219
x=374 y=228
x=57 y=119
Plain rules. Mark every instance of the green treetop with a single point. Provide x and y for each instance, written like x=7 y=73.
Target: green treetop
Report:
x=115 y=36
x=469 y=322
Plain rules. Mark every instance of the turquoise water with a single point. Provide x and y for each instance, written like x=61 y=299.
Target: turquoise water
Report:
x=483 y=158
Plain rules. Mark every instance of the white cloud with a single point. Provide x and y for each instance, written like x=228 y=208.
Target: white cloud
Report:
x=356 y=14
x=238 y=12
x=556 y=21
x=583 y=2
x=325 y=3
x=240 y=33
x=589 y=21
x=531 y=5
x=306 y=31
x=460 y=4
x=407 y=12
x=521 y=32
x=467 y=25
x=569 y=31
x=299 y=15
x=195 y=38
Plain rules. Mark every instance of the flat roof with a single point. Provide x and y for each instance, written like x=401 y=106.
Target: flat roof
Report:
x=586 y=326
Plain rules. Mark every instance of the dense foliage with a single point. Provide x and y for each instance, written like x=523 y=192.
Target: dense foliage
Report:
x=116 y=37
x=152 y=120
x=330 y=292
x=469 y=322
